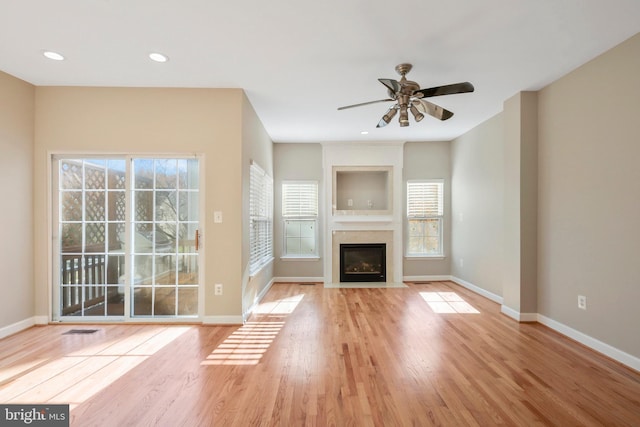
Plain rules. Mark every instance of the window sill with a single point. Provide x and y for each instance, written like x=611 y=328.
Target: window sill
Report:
x=299 y=258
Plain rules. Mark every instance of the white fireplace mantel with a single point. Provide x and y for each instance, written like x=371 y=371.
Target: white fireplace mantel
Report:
x=360 y=226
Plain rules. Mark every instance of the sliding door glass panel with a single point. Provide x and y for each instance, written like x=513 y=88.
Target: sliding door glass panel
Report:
x=91 y=228
x=165 y=207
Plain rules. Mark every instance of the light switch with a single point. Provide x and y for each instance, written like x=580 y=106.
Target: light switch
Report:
x=217 y=217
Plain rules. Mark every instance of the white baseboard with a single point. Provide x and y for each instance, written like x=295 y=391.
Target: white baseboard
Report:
x=41 y=320
x=425 y=278
x=257 y=300
x=222 y=320
x=612 y=352
x=528 y=317
x=516 y=315
x=17 y=327
x=298 y=279
x=510 y=312
x=477 y=289
x=594 y=344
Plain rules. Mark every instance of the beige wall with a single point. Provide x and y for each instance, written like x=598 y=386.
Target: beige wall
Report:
x=145 y=120
x=16 y=216
x=428 y=160
x=297 y=162
x=589 y=198
x=477 y=218
x=520 y=123
x=258 y=147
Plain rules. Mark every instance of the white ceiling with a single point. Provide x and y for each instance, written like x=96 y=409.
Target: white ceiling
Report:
x=299 y=60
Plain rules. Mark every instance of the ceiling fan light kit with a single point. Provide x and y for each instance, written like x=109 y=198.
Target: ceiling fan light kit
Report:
x=409 y=97
x=417 y=115
x=388 y=117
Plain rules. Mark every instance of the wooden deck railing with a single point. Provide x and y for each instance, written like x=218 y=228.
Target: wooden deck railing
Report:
x=91 y=276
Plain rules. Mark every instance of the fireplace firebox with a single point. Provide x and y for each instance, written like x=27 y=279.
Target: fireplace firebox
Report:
x=363 y=262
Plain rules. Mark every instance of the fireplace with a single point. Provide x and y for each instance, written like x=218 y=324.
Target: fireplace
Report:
x=363 y=262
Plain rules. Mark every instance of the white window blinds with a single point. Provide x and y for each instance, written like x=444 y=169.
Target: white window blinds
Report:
x=425 y=211
x=299 y=199
x=425 y=199
x=260 y=217
x=300 y=213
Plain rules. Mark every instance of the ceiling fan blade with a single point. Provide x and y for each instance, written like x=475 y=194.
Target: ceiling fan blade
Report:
x=391 y=84
x=432 y=109
x=445 y=90
x=365 y=103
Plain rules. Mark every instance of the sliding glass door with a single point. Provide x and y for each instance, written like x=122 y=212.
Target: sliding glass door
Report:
x=127 y=237
x=165 y=237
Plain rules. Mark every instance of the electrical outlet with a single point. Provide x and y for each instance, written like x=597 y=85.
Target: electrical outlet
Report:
x=217 y=217
x=217 y=289
x=582 y=302
x=461 y=262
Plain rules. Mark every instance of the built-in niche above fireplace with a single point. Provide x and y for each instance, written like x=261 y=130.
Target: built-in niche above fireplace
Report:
x=362 y=190
x=363 y=262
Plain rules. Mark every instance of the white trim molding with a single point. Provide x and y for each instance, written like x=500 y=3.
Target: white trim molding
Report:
x=516 y=315
x=298 y=280
x=41 y=320
x=257 y=300
x=14 y=328
x=594 y=344
x=426 y=278
x=222 y=320
x=439 y=278
x=618 y=355
x=480 y=291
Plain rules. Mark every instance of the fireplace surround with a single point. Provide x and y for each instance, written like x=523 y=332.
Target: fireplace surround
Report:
x=363 y=262
x=363 y=201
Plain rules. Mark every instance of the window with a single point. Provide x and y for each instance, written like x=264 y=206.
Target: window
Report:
x=300 y=213
x=425 y=210
x=260 y=218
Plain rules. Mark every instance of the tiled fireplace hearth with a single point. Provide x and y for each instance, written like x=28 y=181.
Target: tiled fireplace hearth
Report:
x=363 y=202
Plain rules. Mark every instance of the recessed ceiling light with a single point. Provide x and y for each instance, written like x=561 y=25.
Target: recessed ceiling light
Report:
x=53 y=55
x=364 y=132
x=158 y=57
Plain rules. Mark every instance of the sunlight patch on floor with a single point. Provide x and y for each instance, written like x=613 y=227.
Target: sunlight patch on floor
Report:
x=282 y=306
x=447 y=302
x=250 y=342
x=9 y=372
x=245 y=346
x=74 y=378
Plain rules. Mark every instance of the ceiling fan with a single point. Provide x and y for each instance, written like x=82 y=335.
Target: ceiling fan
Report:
x=409 y=97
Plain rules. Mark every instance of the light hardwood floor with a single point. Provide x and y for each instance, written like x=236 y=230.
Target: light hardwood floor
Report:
x=414 y=356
